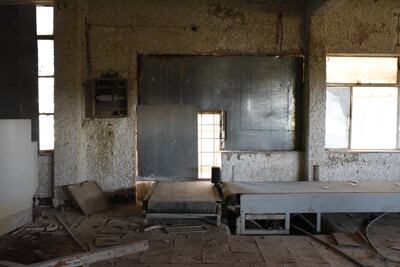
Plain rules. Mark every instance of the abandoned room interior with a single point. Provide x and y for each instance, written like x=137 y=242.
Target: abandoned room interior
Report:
x=200 y=133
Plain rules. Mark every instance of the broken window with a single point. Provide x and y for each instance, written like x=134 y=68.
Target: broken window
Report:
x=337 y=117
x=210 y=141
x=45 y=43
x=361 y=113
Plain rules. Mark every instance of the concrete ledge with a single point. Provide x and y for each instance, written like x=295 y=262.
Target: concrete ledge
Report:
x=15 y=220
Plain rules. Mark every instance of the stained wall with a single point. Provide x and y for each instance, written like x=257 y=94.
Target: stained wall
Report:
x=93 y=36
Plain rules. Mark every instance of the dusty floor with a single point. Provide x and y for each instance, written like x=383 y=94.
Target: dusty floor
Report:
x=40 y=241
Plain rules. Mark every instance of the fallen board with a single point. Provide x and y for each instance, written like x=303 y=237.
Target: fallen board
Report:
x=83 y=259
x=89 y=197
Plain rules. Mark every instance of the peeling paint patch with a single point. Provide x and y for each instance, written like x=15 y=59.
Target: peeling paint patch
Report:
x=261 y=166
x=224 y=13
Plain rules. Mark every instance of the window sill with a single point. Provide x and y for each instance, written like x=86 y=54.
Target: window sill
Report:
x=362 y=150
x=262 y=151
x=46 y=153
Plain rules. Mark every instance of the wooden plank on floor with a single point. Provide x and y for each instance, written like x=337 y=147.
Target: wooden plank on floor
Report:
x=86 y=258
x=243 y=244
x=276 y=254
x=222 y=254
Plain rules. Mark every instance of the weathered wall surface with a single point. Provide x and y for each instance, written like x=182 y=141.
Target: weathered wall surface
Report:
x=261 y=166
x=361 y=167
x=118 y=31
x=347 y=27
x=69 y=147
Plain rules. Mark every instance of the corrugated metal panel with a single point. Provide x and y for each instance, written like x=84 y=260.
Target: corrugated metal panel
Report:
x=167 y=141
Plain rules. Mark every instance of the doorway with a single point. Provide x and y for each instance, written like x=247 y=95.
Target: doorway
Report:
x=210 y=141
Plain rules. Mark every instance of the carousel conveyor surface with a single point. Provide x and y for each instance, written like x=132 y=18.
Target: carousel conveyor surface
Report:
x=266 y=199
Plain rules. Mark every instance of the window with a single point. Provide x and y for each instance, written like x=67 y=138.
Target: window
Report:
x=45 y=43
x=210 y=141
x=362 y=99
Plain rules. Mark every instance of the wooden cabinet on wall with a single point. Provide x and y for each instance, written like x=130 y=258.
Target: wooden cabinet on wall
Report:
x=107 y=98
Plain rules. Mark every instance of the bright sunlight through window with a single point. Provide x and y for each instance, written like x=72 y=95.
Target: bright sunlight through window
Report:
x=209 y=126
x=362 y=103
x=45 y=42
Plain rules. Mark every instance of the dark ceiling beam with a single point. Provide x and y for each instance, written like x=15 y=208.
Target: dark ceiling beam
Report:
x=27 y=2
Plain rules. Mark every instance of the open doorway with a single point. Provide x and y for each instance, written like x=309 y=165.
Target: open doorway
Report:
x=210 y=127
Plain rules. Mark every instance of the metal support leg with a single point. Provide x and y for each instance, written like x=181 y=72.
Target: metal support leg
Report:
x=287 y=223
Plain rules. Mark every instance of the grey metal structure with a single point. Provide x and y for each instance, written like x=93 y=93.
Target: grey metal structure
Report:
x=266 y=200
x=167 y=142
x=262 y=95
x=182 y=200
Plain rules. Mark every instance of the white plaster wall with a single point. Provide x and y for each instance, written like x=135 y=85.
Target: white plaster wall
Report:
x=18 y=170
x=261 y=166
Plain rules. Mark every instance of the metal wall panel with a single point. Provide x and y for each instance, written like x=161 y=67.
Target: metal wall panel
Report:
x=167 y=141
x=258 y=93
x=18 y=68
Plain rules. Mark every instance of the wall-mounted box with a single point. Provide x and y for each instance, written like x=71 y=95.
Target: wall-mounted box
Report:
x=107 y=98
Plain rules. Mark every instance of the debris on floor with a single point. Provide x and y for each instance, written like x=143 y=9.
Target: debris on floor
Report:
x=189 y=243
x=83 y=259
x=348 y=239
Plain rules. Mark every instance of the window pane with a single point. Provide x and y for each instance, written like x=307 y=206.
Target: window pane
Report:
x=46 y=95
x=207 y=159
x=207 y=145
x=374 y=118
x=337 y=117
x=44 y=20
x=217 y=145
x=207 y=131
x=46 y=132
x=361 y=70
x=208 y=142
x=207 y=118
x=204 y=172
x=46 y=57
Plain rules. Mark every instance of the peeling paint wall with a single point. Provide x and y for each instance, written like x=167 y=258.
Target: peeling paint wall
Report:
x=118 y=31
x=261 y=166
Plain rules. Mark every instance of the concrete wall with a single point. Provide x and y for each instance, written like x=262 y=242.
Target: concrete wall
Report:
x=18 y=175
x=347 y=27
x=262 y=166
x=118 y=31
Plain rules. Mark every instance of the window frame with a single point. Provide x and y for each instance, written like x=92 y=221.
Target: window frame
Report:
x=40 y=37
x=351 y=86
